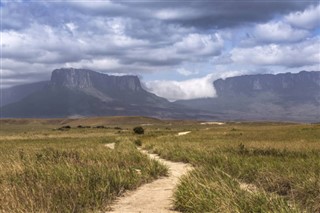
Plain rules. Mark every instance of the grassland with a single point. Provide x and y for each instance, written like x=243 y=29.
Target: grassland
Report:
x=239 y=167
x=247 y=167
x=46 y=170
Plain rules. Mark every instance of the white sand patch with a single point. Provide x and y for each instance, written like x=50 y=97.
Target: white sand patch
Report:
x=110 y=145
x=183 y=133
x=212 y=123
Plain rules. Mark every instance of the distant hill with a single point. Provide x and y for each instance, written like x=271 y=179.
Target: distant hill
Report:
x=81 y=92
x=281 y=97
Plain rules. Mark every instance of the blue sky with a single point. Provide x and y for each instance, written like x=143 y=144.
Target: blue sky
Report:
x=176 y=47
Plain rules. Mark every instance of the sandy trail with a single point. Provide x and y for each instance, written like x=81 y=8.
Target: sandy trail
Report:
x=155 y=196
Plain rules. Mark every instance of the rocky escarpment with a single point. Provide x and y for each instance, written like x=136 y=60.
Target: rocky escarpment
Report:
x=281 y=97
x=303 y=85
x=83 y=78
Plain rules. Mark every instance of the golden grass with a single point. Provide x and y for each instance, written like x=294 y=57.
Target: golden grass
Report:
x=281 y=160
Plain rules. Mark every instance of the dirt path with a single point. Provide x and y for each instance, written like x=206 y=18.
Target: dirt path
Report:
x=155 y=196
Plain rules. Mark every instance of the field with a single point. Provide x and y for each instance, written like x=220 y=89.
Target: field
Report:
x=238 y=167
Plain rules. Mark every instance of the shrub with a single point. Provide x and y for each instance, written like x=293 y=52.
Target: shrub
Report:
x=63 y=128
x=138 y=130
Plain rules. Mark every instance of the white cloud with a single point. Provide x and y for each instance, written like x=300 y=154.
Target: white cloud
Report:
x=307 y=19
x=186 y=72
x=191 y=88
x=278 y=32
x=200 y=44
x=289 y=55
x=182 y=90
x=96 y=64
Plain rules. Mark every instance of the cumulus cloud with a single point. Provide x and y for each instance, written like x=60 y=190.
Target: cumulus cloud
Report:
x=272 y=32
x=307 y=19
x=200 y=44
x=192 y=88
x=153 y=36
x=185 y=72
x=289 y=55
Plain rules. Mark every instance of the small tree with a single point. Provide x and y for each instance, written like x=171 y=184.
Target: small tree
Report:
x=138 y=130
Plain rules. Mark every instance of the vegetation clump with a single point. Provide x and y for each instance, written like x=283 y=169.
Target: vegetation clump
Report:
x=83 y=127
x=64 y=128
x=138 y=130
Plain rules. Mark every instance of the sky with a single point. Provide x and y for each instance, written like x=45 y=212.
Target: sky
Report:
x=176 y=47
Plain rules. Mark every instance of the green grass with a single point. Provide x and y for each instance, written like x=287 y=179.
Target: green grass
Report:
x=39 y=173
x=281 y=160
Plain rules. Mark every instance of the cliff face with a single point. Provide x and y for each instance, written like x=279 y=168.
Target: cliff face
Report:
x=300 y=85
x=281 y=97
x=82 y=78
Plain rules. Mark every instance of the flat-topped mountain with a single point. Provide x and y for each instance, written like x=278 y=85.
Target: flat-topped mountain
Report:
x=81 y=92
x=281 y=97
x=107 y=88
x=298 y=87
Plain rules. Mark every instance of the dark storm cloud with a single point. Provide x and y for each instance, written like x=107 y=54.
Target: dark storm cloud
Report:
x=215 y=13
x=200 y=14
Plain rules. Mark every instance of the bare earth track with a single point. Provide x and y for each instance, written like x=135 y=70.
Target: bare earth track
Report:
x=155 y=196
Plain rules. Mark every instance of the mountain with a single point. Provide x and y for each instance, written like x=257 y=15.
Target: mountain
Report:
x=81 y=92
x=16 y=93
x=281 y=97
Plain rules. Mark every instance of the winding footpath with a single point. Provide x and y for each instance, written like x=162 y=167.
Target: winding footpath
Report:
x=155 y=196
